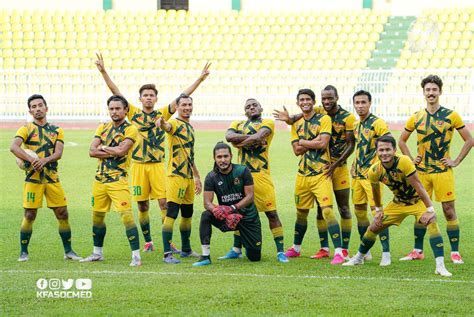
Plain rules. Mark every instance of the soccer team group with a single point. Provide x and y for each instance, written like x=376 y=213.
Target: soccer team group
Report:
x=322 y=137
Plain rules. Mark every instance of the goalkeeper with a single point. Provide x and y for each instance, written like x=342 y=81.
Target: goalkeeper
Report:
x=233 y=186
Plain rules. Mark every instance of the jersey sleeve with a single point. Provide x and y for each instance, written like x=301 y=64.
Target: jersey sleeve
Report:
x=294 y=133
x=234 y=126
x=380 y=127
x=208 y=183
x=173 y=124
x=247 y=176
x=350 y=121
x=410 y=125
x=131 y=132
x=406 y=166
x=373 y=174
x=165 y=112
x=132 y=110
x=326 y=125
x=457 y=121
x=22 y=133
x=269 y=124
x=60 y=135
x=98 y=131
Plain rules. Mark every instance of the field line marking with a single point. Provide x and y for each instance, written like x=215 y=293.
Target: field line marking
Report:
x=252 y=275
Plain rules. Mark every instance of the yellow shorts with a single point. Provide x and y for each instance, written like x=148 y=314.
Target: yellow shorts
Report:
x=394 y=213
x=311 y=188
x=33 y=195
x=148 y=181
x=104 y=194
x=362 y=192
x=180 y=190
x=441 y=183
x=340 y=178
x=264 y=192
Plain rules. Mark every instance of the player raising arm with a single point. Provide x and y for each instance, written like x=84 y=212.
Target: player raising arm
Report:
x=183 y=180
x=148 y=154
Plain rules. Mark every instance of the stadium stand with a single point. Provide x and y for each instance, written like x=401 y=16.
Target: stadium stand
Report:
x=269 y=56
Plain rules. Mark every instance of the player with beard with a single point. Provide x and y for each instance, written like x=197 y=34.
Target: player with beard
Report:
x=112 y=145
x=234 y=188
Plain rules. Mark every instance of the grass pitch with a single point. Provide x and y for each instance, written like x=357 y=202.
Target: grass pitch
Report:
x=238 y=287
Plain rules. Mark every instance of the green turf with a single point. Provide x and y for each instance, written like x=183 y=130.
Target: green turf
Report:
x=301 y=287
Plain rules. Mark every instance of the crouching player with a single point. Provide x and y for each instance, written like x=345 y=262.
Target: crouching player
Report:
x=410 y=198
x=233 y=185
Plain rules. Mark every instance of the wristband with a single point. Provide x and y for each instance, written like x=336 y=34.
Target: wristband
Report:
x=378 y=209
x=430 y=209
x=234 y=209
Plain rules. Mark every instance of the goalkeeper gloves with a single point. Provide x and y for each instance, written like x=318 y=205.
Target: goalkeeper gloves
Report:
x=233 y=220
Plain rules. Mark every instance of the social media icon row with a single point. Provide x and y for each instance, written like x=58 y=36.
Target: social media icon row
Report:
x=57 y=284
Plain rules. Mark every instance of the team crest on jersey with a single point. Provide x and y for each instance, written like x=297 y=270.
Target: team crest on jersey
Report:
x=35 y=135
x=439 y=122
x=393 y=174
x=236 y=181
x=366 y=131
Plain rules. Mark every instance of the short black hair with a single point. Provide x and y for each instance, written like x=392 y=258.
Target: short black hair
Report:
x=118 y=98
x=432 y=79
x=362 y=93
x=34 y=97
x=182 y=96
x=386 y=139
x=306 y=91
x=331 y=87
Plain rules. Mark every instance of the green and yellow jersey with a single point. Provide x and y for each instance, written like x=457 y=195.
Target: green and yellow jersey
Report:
x=181 y=148
x=113 y=168
x=42 y=140
x=342 y=122
x=434 y=134
x=312 y=162
x=254 y=157
x=149 y=147
x=396 y=180
x=366 y=133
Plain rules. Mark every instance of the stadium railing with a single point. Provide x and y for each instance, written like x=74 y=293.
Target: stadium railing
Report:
x=82 y=95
